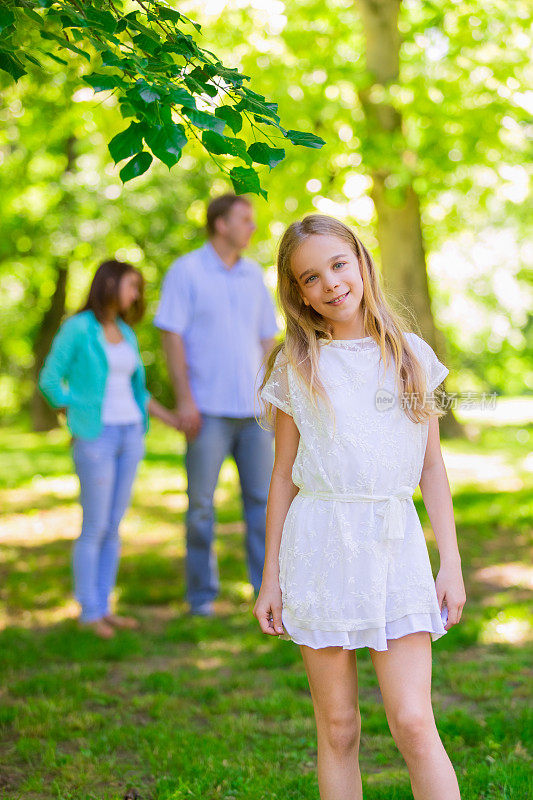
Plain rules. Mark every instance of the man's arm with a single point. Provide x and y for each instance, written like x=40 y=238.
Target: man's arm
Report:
x=174 y=350
x=189 y=418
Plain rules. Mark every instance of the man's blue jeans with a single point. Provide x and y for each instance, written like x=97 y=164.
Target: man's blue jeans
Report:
x=106 y=467
x=252 y=448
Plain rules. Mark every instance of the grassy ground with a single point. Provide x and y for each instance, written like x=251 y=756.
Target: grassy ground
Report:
x=211 y=709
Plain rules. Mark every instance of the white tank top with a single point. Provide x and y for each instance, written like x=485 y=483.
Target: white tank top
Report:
x=119 y=406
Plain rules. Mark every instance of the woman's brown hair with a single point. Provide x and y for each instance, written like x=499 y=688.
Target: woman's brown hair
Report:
x=104 y=292
x=306 y=329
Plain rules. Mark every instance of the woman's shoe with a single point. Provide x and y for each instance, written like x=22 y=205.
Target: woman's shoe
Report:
x=100 y=627
x=121 y=622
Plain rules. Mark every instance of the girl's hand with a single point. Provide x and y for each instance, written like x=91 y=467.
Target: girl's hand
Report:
x=267 y=609
x=451 y=591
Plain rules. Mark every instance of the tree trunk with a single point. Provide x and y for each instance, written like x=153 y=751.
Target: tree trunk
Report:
x=44 y=418
x=399 y=229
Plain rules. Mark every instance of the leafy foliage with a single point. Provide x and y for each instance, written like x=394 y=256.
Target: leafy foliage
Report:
x=166 y=82
x=465 y=149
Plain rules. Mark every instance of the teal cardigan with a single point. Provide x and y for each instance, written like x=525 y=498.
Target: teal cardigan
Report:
x=75 y=371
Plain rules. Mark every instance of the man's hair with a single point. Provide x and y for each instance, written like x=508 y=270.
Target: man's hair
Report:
x=220 y=207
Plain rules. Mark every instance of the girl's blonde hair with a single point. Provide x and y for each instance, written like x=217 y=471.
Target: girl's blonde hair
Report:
x=305 y=328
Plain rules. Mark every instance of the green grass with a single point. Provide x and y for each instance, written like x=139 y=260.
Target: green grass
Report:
x=189 y=709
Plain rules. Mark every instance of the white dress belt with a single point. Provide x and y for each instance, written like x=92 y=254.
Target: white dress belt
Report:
x=393 y=512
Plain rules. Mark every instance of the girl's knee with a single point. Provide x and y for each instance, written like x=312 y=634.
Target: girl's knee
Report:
x=413 y=729
x=342 y=731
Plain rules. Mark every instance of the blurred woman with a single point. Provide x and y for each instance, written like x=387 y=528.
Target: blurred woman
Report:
x=95 y=374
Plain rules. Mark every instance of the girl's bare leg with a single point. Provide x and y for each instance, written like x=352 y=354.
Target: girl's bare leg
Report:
x=404 y=675
x=332 y=676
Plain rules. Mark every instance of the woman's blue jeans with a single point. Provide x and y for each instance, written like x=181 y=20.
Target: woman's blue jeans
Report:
x=106 y=467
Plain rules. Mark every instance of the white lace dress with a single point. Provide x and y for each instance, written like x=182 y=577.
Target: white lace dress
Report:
x=354 y=568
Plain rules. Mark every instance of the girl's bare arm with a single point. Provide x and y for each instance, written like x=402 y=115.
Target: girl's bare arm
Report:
x=437 y=497
x=281 y=493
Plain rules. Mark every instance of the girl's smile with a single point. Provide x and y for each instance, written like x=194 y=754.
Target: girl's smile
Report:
x=338 y=300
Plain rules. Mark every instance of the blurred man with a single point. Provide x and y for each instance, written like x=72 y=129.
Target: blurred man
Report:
x=218 y=320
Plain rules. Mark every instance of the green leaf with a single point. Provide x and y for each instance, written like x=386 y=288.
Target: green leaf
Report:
x=204 y=121
x=203 y=75
x=231 y=74
x=229 y=115
x=136 y=166
x=149 y=111
x=56 y=58
x=127 y=142
x=7 y=18
x=169 y=14
x=246 y=179
x=146 y=43
x=32 y=59
x=33 y=15
x=305 y=139
x=146 y=92
x=258 y=107
x=146 y=31
x=200 y=87
x=11 y=65
x=183 y=46
x=71 y=19
x=274 y=124
x=182 y=97
x=110 y=59
x=166 y=143
x=102 y=83
x=250 y=93
x=262 y=153
x=210 y=70
x=196 y=25
x=225 y=145
x=65 y=43
x=126 y=108
x=101 y=19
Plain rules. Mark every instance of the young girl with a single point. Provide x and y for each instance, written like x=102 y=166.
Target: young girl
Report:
x=95 y=373
x=346 y=562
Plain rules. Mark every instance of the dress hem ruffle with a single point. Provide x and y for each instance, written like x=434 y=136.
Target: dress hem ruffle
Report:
x=373 y=637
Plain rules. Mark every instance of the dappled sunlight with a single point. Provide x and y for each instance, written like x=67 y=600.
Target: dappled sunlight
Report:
x=212 y=663
x=492 y=471
x=38 y=617
x=177 y=503
x=62 y=486
x=507 y=576
x=38 y=492
x=242 y=590
x=40 y=526
x=152 y=479
x=506 y=411
x=505 y=628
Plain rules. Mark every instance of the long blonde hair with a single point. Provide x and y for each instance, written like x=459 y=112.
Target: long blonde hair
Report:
x=306 y=329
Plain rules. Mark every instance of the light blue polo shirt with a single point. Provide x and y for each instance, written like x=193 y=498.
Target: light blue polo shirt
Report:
x=222 y=313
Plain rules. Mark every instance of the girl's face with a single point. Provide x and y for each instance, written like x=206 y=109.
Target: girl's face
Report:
x=129 y=290
x=329 y=279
